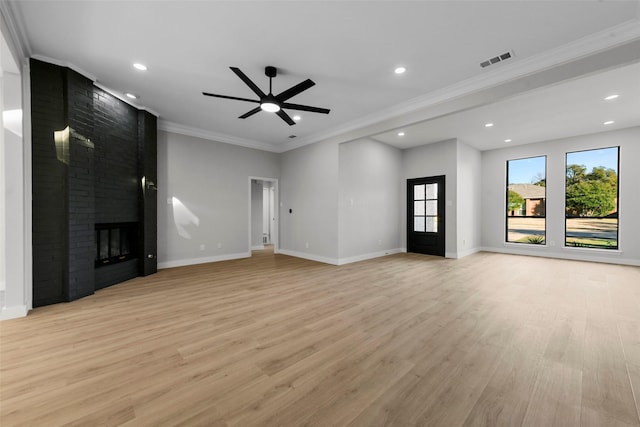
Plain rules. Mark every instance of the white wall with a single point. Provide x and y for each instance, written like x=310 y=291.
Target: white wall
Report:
x=15 y=267
x=203 y=198
x=433 y=160
x=309 y=187
x=257 y=214
x=3 y=239
x=469 y=200
x=369 y=200
x=493 y=196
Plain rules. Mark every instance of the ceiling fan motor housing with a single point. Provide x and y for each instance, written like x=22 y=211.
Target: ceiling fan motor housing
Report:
x=270 y=71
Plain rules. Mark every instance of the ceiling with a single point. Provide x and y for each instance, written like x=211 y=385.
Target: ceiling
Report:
x=350 y=49
x=574 y=107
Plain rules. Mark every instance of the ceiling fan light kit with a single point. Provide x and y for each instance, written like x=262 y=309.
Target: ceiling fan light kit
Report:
x=272 y=103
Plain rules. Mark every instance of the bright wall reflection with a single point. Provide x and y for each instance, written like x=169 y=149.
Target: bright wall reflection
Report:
x=183 y=218
x=12 y=121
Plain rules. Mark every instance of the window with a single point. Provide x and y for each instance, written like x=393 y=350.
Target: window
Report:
x=526 y=200
x=591 y=199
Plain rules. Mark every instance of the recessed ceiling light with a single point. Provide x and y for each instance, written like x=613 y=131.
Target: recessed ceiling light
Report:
x=296 y=118
x=610 y=97
x=609 y=122
x=507 y=140
x=488 y=125
x=400 y=133
x=399 y=70
x=131 y=95
x=139 y=66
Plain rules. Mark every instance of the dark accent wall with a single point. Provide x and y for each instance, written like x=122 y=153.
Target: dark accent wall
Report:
x=148 y=198
x=90 y=151
x=80 y=184
x=49 y=181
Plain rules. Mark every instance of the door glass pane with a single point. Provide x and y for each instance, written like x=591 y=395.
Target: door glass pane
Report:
x=432 y=191
x=432 y=207
x=418 y=192
x=418 y=208
x=418 y=223
x=431 y=224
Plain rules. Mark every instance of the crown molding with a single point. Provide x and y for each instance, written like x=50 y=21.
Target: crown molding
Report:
x=168 y=126
x=13 y=29
x=124 y=99
x=66 y=64
x=93 y=79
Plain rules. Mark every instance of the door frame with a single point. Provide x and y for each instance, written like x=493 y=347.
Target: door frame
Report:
x=442 y=210
x=276 y=213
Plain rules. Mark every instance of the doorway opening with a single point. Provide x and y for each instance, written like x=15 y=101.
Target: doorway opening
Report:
x=263 y=214
x=426 y=215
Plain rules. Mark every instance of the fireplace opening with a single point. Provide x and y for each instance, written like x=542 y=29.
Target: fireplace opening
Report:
x=115 y=243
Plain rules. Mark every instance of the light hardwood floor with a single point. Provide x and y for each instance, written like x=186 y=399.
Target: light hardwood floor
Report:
x=404 y=340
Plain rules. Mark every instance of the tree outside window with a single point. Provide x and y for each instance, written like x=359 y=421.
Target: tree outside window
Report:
x=591 y=199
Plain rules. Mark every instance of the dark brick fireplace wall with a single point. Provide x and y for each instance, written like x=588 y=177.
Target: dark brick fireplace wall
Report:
x=90 y=154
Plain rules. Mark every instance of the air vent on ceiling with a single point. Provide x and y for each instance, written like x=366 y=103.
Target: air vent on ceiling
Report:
x=496 y=59
x=291 y=136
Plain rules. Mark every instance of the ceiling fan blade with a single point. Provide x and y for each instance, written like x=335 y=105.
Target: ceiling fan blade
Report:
x=248 y=82
x=293 y=91
x=304 y=108
x=250 y=113
x=284 y=116
x=231 y=97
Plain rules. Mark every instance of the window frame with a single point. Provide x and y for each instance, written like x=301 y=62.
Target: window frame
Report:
x=506 y=201
x=573 y=247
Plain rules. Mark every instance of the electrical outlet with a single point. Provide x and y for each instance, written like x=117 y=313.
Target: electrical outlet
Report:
x=202 y=247
x=306 y=245
x=379 y=242
x=219 y=245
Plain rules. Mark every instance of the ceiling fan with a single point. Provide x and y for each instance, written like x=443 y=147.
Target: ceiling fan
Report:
x=273 y=103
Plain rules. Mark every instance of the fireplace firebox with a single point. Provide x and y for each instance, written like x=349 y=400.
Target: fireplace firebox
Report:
x=115 y=243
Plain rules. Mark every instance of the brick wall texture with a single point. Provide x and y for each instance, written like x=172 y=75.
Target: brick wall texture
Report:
x=87 y=168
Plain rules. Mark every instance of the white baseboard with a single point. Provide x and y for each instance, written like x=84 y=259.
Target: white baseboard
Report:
x=341 y=261
x=456 y=255
x=257 y=247
x=569 y=254
x=466 y=252
x=204 y=260
x=371 y=255
x=14 y=312
x=310 y=257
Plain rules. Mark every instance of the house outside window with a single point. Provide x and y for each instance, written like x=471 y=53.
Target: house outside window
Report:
x=526 y=201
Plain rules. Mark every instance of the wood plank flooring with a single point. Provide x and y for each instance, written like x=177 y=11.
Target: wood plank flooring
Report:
x=404 y=340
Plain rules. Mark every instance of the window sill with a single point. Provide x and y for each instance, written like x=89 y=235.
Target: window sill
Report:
x=524 y=245
x=616 y=252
